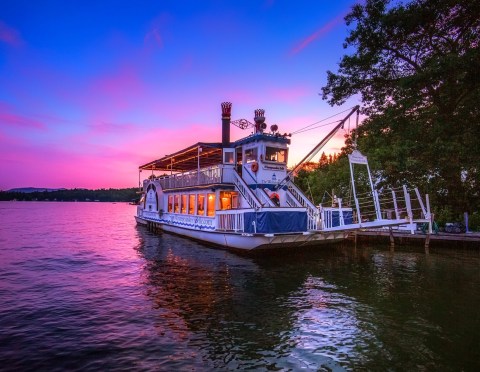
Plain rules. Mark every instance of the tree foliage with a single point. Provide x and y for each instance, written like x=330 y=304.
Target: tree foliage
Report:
x=416 y=68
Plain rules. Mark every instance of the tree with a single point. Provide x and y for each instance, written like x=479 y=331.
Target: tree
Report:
x=415 y=66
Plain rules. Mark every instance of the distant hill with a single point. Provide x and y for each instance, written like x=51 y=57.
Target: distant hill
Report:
x=33 y=189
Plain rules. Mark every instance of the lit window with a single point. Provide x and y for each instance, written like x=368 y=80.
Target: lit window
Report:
x=210 y=205
x=228 y=200
x=176 y=204
x=276 y=154
x=201 y=204
x=170 y=203
x=251 y=155
x=191 y=204
x=228 y=157
x=184 y=203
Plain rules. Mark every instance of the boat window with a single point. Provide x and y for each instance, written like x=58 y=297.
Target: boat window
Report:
x=191 y=204
x=228 y=157
x=251 y=155
x=201 y=204
x=235 y=200
x=170 y=203
x=228 y=200
x=184 y=203
x=176 y=204
x=276 y=154
x=210 y=205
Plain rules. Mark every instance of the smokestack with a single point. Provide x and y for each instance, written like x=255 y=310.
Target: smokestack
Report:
x=259 y=119
x=226 y=115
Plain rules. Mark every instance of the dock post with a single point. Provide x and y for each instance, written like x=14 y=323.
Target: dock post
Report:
x=427 y=244
x=392 y=239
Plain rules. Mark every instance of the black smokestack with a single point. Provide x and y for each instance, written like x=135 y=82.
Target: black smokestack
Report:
x=226 y=115
x=259 y=119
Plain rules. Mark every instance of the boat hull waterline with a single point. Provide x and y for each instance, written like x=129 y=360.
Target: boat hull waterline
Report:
x=250 y=242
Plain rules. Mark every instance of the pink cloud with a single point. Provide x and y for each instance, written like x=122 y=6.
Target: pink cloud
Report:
x=318 y=34
x=153 y=38
x=113 y=93
x=12 y=119
x=110 y=128
x=9 y=35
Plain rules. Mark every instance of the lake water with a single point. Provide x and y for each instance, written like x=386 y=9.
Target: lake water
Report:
x=82 y=287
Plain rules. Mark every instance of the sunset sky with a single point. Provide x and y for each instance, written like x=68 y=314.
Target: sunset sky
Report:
x=90 y=90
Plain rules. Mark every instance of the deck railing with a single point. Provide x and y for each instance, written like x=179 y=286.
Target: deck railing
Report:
x=205 y=176
x=230 y=220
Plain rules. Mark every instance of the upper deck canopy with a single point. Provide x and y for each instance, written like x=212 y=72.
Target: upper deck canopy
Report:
x=210 y=154
x=187 y=159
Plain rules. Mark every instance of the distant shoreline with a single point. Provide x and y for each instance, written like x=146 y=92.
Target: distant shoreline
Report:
x=72 y=195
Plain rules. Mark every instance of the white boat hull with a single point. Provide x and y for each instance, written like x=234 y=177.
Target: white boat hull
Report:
x=250 y=242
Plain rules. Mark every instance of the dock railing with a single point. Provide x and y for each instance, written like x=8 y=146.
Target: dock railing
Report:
x=384 y=208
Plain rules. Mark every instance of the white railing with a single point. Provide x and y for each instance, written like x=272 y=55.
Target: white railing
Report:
x=291 y=201
x=264 y=198
x=379 y=209
x=335 y=216
x=230 y=220
x=246 y=192
x=206 y=176
x=300 y=197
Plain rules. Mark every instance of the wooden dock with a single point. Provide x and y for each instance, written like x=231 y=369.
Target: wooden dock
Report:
x=463 y=240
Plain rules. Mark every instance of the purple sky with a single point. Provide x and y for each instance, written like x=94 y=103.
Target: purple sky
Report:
x=90 y=90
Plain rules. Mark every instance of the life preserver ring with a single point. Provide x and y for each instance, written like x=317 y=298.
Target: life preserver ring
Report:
x=274 y=197
x=255 y=167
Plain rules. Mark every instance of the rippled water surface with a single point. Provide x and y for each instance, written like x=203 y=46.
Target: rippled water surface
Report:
x=82 y=287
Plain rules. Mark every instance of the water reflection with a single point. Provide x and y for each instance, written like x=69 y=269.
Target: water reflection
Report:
x=223 y=306
x=75 y=295
x=333 y=308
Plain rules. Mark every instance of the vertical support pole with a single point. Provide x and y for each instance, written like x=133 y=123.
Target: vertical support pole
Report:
x=395 y=205
x=340 y=212
x=429 y=215
x=376 y=202
x=427 y=244
x=377 y=205
x=355 y=195
x=421 y=203
x=409 y=207
x=198 y=165
x=392 y=239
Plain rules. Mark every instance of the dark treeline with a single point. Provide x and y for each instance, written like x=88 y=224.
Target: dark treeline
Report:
x=103 y=195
